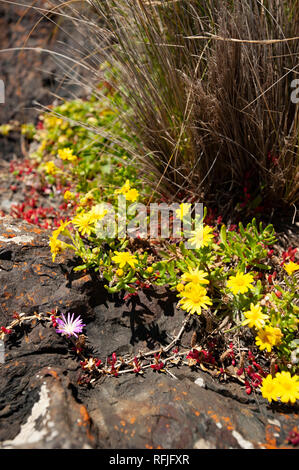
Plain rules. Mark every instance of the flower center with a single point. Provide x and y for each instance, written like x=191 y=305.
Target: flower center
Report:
x=69 y=328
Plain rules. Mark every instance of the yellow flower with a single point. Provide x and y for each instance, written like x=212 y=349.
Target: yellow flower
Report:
x=202 y=237
x=52 y=121
x=194 y=299
x=84 y=222
x=67 y=154
x=87 y=198
x=187 y=288
x=196 y=276
x=150 y=269
x=180 y=287
x=5 y=129
x=43 y=145
x=124 y=189
x=268 y=337
x=287 y=387
x=132 y=195
x=68 y=195
x=240 y=283
x=183 y=210
x=269 y=388
x=277 y=335
x=255 y=318
x=291 y=267
x=120 y=272
x=98 y=212
x=60 y=229
x=51 y=168
x=56 y=246
x=124 y=257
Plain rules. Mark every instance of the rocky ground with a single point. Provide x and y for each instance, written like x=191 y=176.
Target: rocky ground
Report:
x=42 y=402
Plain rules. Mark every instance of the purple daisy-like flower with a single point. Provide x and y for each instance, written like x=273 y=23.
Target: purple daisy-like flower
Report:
x=70 y=326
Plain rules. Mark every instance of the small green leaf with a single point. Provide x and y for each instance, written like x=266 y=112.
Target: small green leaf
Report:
x=223 y=234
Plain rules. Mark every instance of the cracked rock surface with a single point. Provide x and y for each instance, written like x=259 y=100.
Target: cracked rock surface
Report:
x=41 y=403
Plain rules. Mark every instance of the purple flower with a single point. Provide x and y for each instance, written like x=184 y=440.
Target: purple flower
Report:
x=70 y=326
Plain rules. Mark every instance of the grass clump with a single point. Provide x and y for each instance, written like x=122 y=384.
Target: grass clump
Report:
x=208 y=86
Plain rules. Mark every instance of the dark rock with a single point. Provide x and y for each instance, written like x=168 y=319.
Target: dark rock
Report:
x=29 y=281
x=41 y=403
x=54 y=420
x=157 y=411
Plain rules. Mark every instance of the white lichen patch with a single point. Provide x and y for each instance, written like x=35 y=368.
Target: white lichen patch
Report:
x=275 y=422
x=203 y=444
x=29 y=434
x=199 y=381
x=19 y=240
x=11 y=227
x=241 y=441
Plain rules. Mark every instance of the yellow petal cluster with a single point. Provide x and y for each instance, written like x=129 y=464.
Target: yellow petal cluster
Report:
x=56 y=245
x=194 y=299
x=130 y=194
x=51 y=168
x=194 y=295
x=283 y=386
x=183 y=210
x=196 y=276
x=124 y=257
x=255 y=318
x=69 y=196
x=291 y=267
x=202 y=237
x=240 y=283
x=268 y=337
x=67 y=155
x=85 y=221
